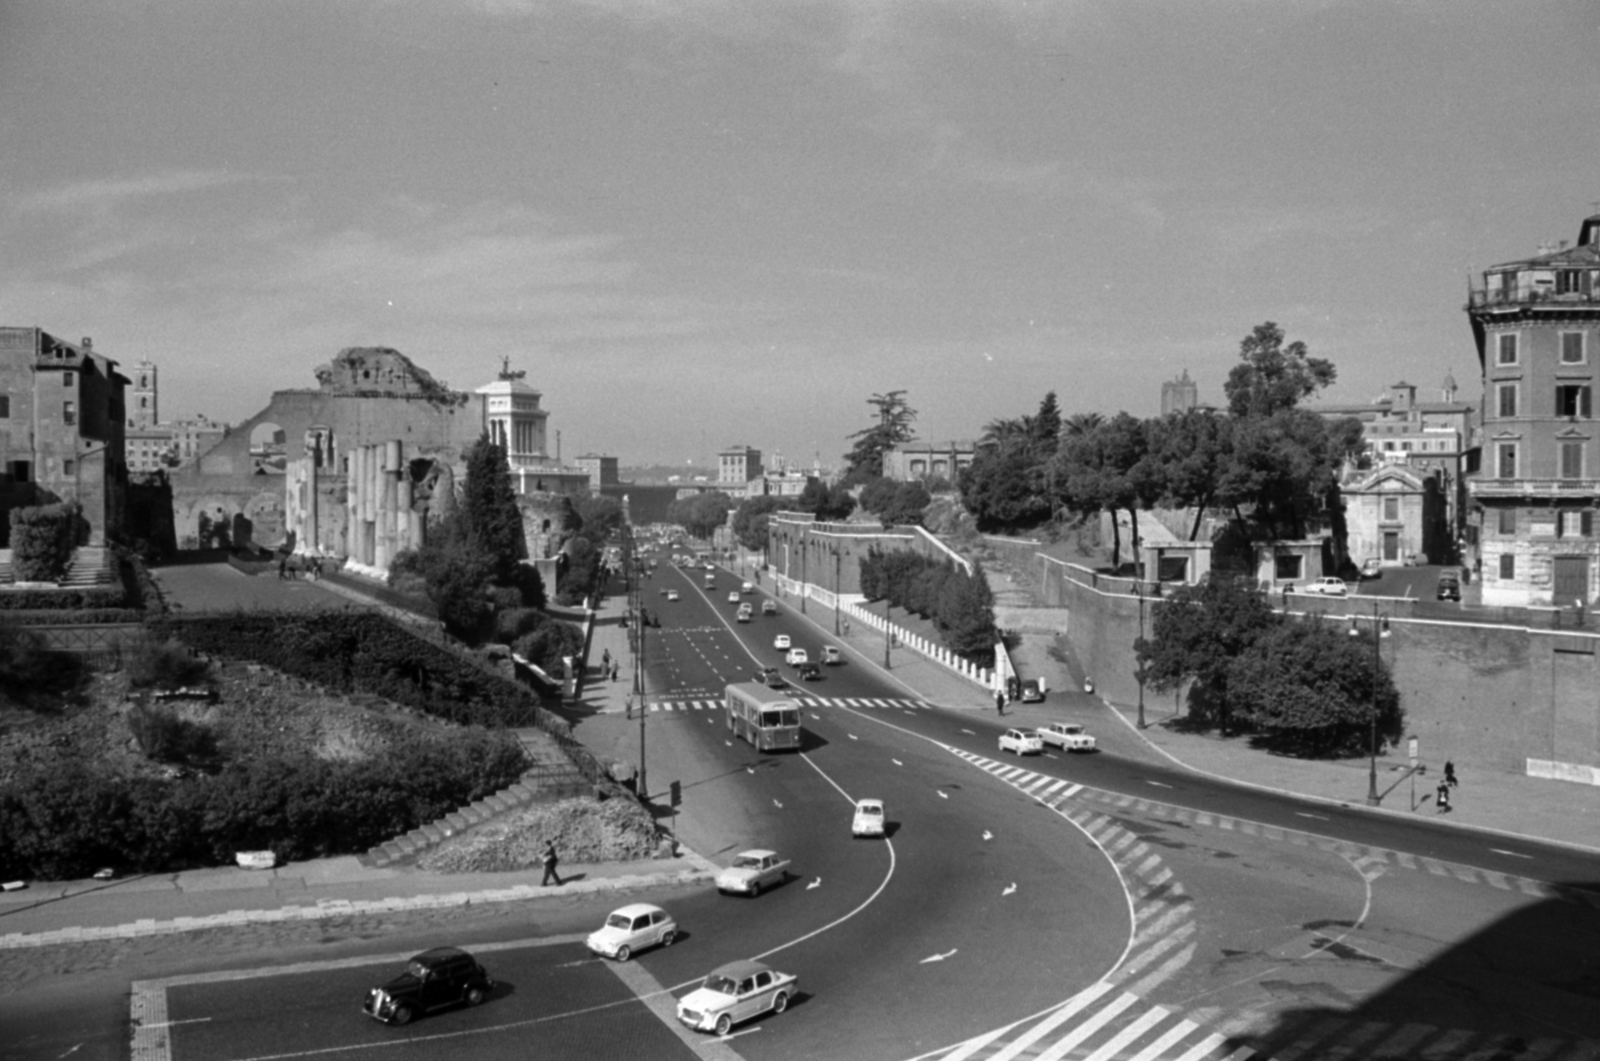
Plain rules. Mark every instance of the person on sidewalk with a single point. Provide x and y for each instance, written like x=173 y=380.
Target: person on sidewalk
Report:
x=1450 y=773
x=1000 y=701
x=1442 y=796
x=549 y=860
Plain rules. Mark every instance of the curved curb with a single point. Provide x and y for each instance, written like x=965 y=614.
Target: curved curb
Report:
x=1331 y=801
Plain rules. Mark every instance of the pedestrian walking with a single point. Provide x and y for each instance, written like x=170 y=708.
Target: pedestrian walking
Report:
x=605 y=660
x=283 y=568
x=999 y=701
x=1450 y=774
x=1442 y=796
x=549 y=860
x=614 y=669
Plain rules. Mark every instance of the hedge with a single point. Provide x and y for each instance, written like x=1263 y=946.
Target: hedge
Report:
x=42 y=537
x=360 y=651
x=68 y=819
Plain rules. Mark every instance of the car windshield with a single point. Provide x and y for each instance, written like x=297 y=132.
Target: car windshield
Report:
x=619 y=921
x=747 y=862
x=870 y=812
x=721 y=985
x=417 y=969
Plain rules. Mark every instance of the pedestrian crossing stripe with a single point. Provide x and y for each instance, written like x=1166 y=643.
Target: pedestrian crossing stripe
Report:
x=1101 y=1023
x=856 y=702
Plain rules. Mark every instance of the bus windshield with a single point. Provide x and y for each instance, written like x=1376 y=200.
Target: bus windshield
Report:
x=785 y=717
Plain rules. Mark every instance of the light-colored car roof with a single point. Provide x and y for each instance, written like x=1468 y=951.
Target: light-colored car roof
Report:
x=755 y=853
x=869 y=803
x=635 y=909
x=740 y=970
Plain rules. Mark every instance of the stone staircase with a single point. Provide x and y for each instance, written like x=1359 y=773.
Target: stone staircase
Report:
x=552 y=777
x=90 y=566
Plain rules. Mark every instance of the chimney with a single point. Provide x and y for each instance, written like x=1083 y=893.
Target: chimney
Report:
x=88 y=344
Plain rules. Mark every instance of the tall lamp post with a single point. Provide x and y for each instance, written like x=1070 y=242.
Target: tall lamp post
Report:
x=888 y=609
x=835 y=591
x=1138 y=586
x=1380 y=630
x=805 y=551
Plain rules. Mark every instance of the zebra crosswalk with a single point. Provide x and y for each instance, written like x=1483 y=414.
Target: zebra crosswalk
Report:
x=863 y=703
x=1102 y=1023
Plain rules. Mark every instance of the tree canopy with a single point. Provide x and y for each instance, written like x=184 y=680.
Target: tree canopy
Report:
x=893 y=428
x=700 y=514
x=750 y=520
x=1273 y=377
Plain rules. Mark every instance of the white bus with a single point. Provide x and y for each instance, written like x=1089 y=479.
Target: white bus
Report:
x=765 y=717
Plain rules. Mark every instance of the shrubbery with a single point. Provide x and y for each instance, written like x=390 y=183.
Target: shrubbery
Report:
x=68 y=819
x=960 y=605
x=547 y=644
x=168 y=738
x=42 y=539
x=161 y=664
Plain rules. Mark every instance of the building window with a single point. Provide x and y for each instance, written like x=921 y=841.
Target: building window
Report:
x=1506 y=460
x=1572 y=460
x=1508 y=522
x=1505 y=400
x=1574 y=524
x=68 y=467
x=1572 y=400
x=1508 y=566
x=67 y=379
x=69 y=413
x=1391 y=508
x=1288 y=567
x=1572 y=348
x=1572 y=282
x=1507 y=349
x=5 y=406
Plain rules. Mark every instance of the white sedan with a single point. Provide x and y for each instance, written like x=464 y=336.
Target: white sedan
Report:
x=1328 y=586
x=1068 y=736
x=781 y=641
x=753 y=870
x=736 y=992
x=1021 y=742
x=796 y=657
x=733 y=598
x=633 y=928
x=868 y=818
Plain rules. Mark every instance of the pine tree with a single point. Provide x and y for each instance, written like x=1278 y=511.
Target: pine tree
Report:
x=489 y=508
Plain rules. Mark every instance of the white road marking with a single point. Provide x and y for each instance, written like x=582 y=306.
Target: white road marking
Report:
x=175 y=1023
x=852 y=736
x=937 y=957
x=943 y=796
x=987 y=835
x=897 y=762
x=969 y=731
x=1303 y=814
x=814 y=884
x=1158 y=784
x=775 y=803
x=1009 y=889
x=1513 y=854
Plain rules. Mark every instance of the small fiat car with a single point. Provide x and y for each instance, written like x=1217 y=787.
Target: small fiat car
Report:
x=831 y=655
x=1020 y=742
x=751 y=871
x=769 y=607
x=434 y=979
x=633 y=928
x=796 y=656
x=869 y=818
x=781 y=642
x=1068 y=736
x=736 y=992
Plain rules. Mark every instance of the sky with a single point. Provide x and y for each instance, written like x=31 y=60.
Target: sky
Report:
x=704 y=224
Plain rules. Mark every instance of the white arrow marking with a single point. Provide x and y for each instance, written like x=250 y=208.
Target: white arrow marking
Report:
x=729 y=743
x=897 y=762
x=852 y=736
x=814 y=884
x=1513 y=854
x=1009 y=889
x=1303 y=814
x=943 y=796
x=775 y=803
x=1158 y=784
x=749 y=769
x=968 y=731
x=987 y=835
x=937 y=957
x=815 y=715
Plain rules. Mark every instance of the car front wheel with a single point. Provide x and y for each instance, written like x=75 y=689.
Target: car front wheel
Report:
x=403 y=1015
x=755 y=889
x=780 y=1003
x=668 y=937
x=724 y=1025
x=624 y=952
x=475 y=995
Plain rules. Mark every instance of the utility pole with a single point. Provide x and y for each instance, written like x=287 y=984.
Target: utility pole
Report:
x=1139 y=586
x=835 y=591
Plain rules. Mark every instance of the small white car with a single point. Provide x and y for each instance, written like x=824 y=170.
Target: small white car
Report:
x=832 y=655
x=868 y=819
x=733 y=598
x=781 y=641
x=633 y=928
x=1068 y=736
x=1327 y=585
x=796 y=656
x=1021 y=742
x=736 y=992
x=769 y=607
x=672 y=594
x=746 y=587
x=753 y=870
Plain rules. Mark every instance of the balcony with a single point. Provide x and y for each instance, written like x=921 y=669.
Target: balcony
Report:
x=1481 y=298
x=1481 y=487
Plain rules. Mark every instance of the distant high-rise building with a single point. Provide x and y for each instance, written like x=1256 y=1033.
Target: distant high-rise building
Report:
x=1179 y=395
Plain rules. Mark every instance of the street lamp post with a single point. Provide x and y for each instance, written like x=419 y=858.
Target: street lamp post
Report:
x=1380 y=630
x=805 y=550
x=835 y=591
x=1138 y=585
x=888 y=609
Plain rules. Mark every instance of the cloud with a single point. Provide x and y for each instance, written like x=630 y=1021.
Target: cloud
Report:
x=107 y=194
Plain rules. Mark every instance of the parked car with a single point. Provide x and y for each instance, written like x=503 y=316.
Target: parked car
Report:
x=1068 y=736
x=810 y=672
x=796 y=656
x=672 y=594
x=1031 y=693
x=753 y=870
x=781 y=641
x=868 y=820
x=1372 y=567
x=736 y=992
x=1020 y=742
x=831 y=655
x=633 y=928
x=434 y=979
x=769 y=607
x=1327 y=585
x=1449 y=588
